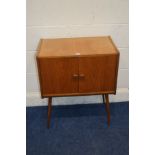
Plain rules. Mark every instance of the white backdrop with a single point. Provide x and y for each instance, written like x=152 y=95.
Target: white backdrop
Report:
x=74 y=18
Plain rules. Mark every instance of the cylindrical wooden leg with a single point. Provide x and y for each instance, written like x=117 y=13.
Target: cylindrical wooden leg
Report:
x=103 y=98
x=107 y=108
x=49 y=111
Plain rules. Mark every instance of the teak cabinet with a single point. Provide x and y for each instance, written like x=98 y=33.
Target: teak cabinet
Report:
x=77 y=66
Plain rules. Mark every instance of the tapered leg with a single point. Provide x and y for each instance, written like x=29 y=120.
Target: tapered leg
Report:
x=103 y=97
x=104 y=102
x=49 y=111
x=107 y=108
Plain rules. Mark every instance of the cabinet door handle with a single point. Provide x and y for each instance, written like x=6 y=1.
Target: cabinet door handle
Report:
x=82 y=76
x=75 y=75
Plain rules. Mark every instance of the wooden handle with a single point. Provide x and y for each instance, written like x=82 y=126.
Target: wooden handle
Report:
x=81 y=76
x=75 y=75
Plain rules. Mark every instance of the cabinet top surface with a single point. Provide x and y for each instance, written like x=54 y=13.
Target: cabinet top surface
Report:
x=76 y=46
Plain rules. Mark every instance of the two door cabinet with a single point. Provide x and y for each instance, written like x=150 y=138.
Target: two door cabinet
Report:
x=77 y=66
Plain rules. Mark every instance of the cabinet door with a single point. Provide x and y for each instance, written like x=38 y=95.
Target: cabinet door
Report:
x=98 y=73
x=58 y=75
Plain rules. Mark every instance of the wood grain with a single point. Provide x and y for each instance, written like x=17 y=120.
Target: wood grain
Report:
x=99 y=73
x=77 y=94
x=71 y=47
x=57 y=75
x=93 y=70
x=77 y=66
x=107 y=108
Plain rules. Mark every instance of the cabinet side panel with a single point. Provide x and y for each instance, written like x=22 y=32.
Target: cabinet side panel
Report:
x=57 y=75
x=116 y=70
x=39 y=75
x=110 y=75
